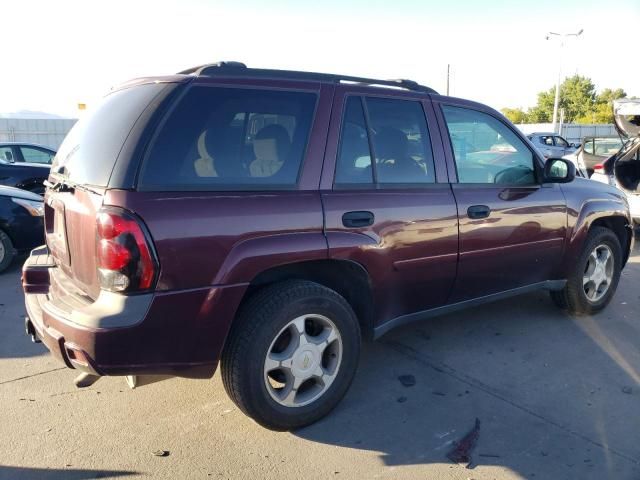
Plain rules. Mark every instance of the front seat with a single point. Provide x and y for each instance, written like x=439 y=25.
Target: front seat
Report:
x=394 y=162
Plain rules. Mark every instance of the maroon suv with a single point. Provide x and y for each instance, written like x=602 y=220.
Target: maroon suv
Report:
x=271 y=219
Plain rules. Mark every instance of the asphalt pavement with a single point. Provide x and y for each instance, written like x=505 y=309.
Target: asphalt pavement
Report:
x=556 y=397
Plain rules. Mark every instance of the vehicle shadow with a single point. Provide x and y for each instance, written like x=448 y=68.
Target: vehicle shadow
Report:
x=14 y=343
x=556 y=396
x=26 y=473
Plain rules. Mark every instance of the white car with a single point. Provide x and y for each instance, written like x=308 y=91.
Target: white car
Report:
x=551 y=145
x=581 y=168
x=623 y=169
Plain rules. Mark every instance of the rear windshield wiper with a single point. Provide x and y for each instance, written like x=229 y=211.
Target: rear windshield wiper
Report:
x=59 y=186
x=63 y=185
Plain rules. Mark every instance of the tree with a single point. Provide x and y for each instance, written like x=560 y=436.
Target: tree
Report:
x=579 y=100
x=603 y=110
x=516 y=115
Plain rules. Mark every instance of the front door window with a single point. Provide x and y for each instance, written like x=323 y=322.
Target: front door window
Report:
x=486 y=150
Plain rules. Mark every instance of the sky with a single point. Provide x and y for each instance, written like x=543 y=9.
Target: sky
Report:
x=58 y=53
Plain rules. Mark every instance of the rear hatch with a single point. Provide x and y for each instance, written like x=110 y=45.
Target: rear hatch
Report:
x=625 y=165
x=626 y=112
x=79 y=177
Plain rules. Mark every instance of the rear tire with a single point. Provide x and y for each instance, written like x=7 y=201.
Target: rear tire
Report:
x=594 y=279
x=291 y=355
x=7 y=252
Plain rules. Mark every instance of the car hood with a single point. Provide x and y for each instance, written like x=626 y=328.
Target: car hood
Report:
x=626 y=113
x=18 y=193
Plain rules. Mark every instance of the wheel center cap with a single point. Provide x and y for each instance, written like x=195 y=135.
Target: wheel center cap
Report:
x=599 y=273
x=306 y=359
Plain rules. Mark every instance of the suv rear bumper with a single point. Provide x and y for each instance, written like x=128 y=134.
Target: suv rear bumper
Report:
x=169 y=333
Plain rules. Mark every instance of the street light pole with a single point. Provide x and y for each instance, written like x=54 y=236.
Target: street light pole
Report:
x=448 y=65
x=562 y=37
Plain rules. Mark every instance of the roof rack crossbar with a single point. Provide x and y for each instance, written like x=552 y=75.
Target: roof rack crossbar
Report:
x=238 y=68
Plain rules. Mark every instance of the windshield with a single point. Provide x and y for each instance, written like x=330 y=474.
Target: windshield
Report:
x=90 y=150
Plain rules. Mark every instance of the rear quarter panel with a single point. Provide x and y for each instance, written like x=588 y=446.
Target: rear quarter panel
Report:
x=215 y=238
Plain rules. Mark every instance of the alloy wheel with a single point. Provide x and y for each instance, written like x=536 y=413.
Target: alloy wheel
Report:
x=303 y=360
x=598 y=273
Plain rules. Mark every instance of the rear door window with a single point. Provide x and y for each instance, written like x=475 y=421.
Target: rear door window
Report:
x=400 y=141
x=397 y=131
x=231 y=138
x=36 y=155
x=354 y=157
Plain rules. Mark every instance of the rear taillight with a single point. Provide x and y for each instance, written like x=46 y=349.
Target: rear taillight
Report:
x=599 y=167
x=124 y=256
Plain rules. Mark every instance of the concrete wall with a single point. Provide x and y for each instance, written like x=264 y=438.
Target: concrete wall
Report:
x=48 y=132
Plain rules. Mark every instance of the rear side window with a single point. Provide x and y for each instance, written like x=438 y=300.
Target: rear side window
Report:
x=231 y=138
x=90 y=150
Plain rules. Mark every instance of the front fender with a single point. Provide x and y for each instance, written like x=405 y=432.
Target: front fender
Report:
x=581 y=219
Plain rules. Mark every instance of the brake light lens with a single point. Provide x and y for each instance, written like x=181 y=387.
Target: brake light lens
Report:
x=599 y=167
x=124 y=256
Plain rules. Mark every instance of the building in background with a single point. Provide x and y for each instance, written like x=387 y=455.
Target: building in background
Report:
x=34 y=127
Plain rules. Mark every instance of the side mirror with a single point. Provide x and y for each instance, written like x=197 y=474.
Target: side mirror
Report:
x=559 y=170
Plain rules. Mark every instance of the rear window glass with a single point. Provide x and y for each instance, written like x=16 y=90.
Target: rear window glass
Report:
x=231 y=138
x=90 y=150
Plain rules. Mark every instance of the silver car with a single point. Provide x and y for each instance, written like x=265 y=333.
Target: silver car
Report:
x=551 y=145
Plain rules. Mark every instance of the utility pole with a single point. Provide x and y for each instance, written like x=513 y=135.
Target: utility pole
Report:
x=562 y=37
x=448 y=69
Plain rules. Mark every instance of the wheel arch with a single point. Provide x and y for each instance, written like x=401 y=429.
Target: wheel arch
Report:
x=602 y=213
x=620 y=226
x=346 y=277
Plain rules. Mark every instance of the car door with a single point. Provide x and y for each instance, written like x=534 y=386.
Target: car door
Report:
x=588 y=156
x=546 y=146
x=512 y=227
x=562 y=147
x=389 y=206
x=7 y=169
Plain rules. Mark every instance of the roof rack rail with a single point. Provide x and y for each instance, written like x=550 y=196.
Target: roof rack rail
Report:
x=239 y=68
x=199 y=70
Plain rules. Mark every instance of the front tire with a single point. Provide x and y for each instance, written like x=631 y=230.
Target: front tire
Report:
x=291 y=355
x=595 y=275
